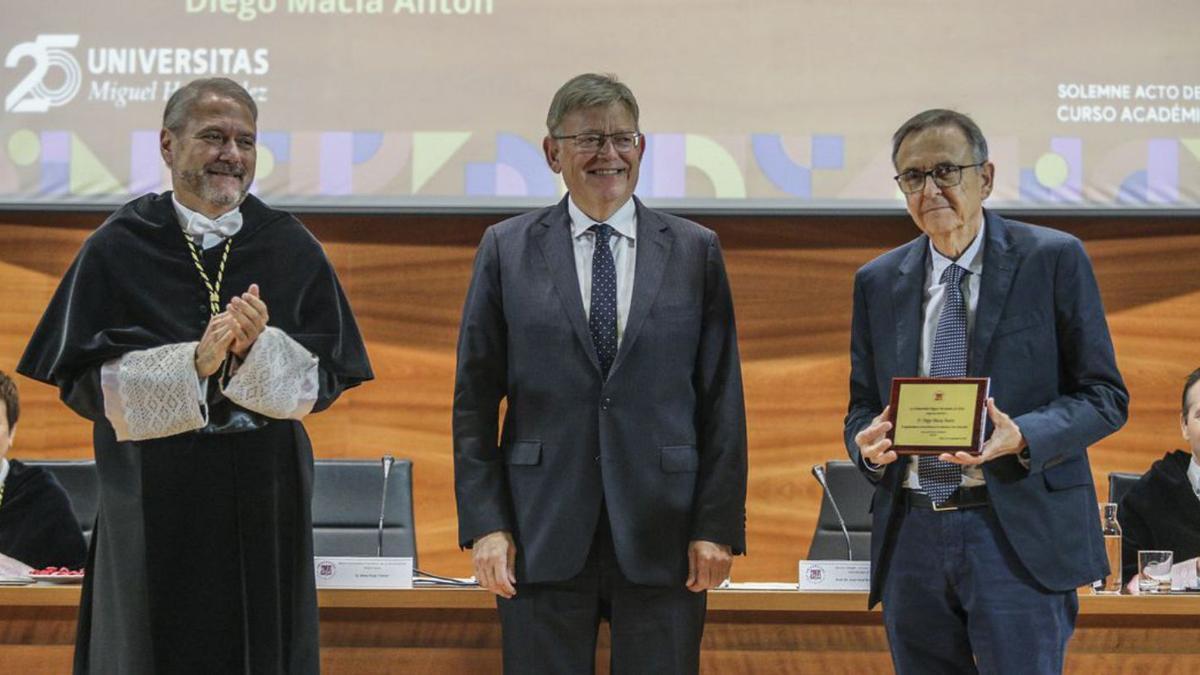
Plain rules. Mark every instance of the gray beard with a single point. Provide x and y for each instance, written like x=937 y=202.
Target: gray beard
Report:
x=197 y=181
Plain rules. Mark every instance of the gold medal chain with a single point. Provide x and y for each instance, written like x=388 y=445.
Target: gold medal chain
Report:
x=214 y=292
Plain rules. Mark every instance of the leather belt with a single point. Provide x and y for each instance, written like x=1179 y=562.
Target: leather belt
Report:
x=962 y=498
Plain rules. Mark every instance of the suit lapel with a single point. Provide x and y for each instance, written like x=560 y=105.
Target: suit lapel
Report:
x=999 y=266
x=907 y=295
x=553 y=233
x=654 y=240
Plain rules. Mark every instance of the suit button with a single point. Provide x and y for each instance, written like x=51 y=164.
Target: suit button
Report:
x=597 y=458
x=605 y=403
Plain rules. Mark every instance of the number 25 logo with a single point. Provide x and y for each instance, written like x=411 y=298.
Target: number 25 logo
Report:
x=49 y=51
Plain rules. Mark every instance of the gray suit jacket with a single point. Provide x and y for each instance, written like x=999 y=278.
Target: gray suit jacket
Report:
x=662 y=442
x=1041 y=335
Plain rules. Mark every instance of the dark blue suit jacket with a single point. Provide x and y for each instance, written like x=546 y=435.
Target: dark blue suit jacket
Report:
x=1041 y=335
x=662 y=442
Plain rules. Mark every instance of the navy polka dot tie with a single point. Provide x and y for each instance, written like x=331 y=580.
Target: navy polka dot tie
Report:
x=949 y=359
x=602 y=319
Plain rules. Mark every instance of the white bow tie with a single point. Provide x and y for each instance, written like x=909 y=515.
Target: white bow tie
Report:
x=210 y=231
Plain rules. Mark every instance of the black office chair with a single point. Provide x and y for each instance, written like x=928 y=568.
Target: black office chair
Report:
x=345 y=509
x=853 y=494
x=79 y=479
x=1119 y=483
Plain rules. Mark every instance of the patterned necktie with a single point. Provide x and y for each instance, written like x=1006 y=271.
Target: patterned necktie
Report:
x=602 y=319
x=949 y=359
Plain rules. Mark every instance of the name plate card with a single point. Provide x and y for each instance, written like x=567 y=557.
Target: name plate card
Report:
x=358 y=572
x=932 y=415
x=835 y=575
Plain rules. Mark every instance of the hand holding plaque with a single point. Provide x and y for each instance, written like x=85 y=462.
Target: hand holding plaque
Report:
x=936 y=415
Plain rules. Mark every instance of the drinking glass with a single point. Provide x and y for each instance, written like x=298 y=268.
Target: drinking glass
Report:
x=1155 y=570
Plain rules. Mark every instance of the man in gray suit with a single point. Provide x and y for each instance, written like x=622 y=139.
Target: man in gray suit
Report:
x=617 y=489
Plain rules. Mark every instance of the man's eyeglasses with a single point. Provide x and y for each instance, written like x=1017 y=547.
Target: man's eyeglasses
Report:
x=623 y=141
x=944 y=176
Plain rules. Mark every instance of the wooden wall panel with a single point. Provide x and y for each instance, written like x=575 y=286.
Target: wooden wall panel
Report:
x=406 y=277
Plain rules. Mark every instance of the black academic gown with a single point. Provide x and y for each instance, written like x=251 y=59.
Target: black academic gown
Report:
x=1160 y=512
x=201 y=561
x=37 y=525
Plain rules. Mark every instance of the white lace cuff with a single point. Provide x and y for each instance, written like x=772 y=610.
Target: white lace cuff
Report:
x=153 y=393
x=278 y=378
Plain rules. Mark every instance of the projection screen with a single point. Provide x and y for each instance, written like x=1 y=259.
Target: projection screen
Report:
x=779 y=105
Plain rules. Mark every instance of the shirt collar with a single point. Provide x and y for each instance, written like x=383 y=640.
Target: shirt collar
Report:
x=1193 y=474
x=970 y=259
x=209 y=230
x=623 y=220
x=4 y=470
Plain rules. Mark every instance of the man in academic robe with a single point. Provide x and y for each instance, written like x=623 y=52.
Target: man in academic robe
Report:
x=37 y=525
x=195 y=329
x=976 y=557
x=1161 y=512
x=616 y=486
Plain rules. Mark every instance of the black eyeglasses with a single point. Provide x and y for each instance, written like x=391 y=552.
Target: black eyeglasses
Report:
x=944 y=176
x=623 y=141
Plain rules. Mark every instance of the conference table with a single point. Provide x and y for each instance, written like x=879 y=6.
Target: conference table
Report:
x=749 y=630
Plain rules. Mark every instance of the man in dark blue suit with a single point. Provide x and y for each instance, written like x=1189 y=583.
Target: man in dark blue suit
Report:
x=616 y=486
x=977 y=558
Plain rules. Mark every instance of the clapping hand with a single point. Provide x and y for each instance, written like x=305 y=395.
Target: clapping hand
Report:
x=248 y=314
x=214 y=345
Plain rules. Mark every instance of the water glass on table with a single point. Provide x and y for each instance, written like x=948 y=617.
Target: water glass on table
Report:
x=1154 y=570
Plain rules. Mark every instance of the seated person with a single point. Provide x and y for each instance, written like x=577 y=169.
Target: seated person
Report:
x=37 y=525
x=1162 y=510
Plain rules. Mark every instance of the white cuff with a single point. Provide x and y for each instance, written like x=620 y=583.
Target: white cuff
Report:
x=1184 y=575
x=153 y=393
x=278 y=378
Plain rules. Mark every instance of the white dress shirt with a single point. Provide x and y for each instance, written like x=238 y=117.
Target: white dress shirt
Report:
x=623 y=243
x=208 y=232
x=934 y=298
x=1193 y=474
